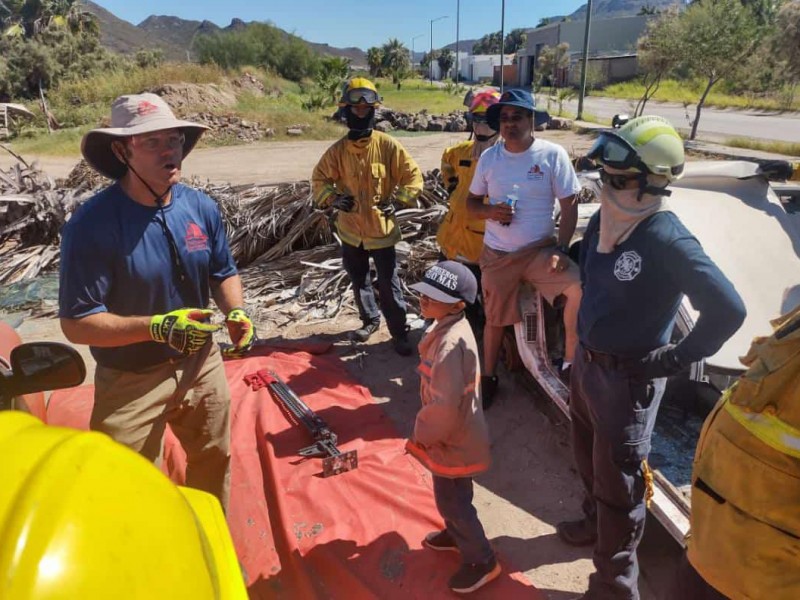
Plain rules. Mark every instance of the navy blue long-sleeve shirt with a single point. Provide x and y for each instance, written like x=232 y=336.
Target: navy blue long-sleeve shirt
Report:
x=631 y=296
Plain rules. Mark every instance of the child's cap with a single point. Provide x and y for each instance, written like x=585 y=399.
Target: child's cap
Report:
x=448 y=282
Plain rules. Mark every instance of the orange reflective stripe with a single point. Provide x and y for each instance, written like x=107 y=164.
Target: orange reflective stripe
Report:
x=444 y=470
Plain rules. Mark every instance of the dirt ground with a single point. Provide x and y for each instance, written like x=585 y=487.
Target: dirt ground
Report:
x=532 y=484
x=277 y=162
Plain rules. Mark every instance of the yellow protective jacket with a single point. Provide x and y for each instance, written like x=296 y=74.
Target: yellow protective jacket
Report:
x=374 y=170
x=460 y=236
x=745 y=522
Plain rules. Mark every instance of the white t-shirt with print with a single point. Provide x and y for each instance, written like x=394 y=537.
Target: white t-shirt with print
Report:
x=543 y=173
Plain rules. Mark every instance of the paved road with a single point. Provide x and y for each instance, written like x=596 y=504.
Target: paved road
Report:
x=715 y=124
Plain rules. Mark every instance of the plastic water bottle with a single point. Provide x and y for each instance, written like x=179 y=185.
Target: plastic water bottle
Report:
x=511 y=200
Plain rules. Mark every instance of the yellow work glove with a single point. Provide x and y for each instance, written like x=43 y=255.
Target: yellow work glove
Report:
x=242 y=333
x=186 y=329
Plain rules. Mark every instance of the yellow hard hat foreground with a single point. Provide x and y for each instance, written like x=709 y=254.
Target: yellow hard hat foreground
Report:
x=84 y=517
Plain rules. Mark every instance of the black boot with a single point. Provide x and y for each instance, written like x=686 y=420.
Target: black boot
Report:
x=362 y=333
x=489 y=385
x=402 y=346
x=577 y=533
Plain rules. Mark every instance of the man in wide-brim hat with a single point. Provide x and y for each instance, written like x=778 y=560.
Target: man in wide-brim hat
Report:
x=139 y=263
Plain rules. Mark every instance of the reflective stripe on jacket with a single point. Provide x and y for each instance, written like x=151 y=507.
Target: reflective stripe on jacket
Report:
x=450 y=434
x=374 y=170
x=745 y=522
x=460 y=236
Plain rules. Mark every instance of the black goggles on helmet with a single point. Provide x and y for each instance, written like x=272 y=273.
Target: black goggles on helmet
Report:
x=359 y=95
x=617 y=181
x=615 y=152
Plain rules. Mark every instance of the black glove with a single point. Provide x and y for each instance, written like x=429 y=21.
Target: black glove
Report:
x=661 y=362
x=343 y=203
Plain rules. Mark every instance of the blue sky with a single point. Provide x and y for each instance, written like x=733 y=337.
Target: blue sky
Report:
x=361 y=23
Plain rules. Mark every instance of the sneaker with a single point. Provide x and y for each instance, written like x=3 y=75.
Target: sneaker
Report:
x=362 y=333
x=402 y=346
x=577 y=533
x=488 y=389
x=441 y=541
x=472 y=577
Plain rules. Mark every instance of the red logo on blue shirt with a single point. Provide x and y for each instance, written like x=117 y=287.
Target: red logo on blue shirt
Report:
x=195 y=239
x=535 y=173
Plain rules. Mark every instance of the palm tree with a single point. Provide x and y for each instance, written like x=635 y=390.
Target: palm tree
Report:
x=375 y=61
x=445 y=60
x=515 y=40
x=396 y=63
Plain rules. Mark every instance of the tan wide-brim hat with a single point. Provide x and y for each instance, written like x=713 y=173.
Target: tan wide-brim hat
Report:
x=133 y=115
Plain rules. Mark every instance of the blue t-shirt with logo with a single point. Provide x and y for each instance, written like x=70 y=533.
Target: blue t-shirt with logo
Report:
x=116 y=258
x=632 y=294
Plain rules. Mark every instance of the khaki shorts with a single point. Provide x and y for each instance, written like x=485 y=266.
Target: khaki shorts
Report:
x=191 y=395
x=503 y=272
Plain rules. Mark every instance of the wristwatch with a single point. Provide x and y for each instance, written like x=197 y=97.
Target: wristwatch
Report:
x=563 y=249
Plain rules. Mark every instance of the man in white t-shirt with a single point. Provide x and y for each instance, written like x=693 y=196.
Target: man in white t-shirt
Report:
x=520 y=242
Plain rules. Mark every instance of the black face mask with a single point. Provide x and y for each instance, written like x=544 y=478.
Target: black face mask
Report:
x=359 y=127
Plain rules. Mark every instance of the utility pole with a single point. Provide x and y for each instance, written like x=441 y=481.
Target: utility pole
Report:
x=585 y=60
x=502 y=45
x=458 y=22
x=430 y=56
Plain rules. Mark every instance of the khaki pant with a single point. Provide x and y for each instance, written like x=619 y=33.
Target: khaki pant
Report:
x=503 y=272
x=190 y=394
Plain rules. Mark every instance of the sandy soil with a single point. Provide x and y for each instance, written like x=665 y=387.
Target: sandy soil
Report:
x=533 y=484
x=276 y=162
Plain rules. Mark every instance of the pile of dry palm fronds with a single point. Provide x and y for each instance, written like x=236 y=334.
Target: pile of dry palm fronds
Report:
x=281 y=241
x=32 y=211
x=289 y=255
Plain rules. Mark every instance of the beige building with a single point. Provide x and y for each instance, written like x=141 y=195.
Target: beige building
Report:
x=612 y=46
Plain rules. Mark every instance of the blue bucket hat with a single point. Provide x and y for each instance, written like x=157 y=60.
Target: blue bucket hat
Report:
x=513 y=97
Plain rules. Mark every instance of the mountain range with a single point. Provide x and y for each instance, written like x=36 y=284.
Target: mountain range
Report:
x=174 y=35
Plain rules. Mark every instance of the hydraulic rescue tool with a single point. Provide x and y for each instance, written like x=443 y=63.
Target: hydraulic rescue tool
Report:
x=333 y=461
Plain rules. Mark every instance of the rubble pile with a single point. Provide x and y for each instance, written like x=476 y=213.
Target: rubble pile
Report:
x=230 y=128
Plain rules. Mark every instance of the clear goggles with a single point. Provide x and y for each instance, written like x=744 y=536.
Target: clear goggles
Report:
x=359 y=95
x=612 y=151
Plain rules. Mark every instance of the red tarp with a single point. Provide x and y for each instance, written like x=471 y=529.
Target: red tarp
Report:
x=356 y=535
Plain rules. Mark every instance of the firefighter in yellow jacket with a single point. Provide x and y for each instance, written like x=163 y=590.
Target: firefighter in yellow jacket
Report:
x=745 y=525
x=460 y=236
x=362 y=176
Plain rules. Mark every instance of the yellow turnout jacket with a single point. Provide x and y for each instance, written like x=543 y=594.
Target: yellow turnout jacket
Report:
x=460 y=236
x=374 y=170
x=745 y=524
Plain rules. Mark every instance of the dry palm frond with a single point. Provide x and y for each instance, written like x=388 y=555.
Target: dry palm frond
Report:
x=32 y=212
x=282 y=243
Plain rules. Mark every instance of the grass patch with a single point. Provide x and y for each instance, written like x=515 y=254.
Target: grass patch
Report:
x=688 y=92
x=81 y=105
x=64 y=142
x=785 y=148
x=104 y=88
x=283 y=112
x=416 y=94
